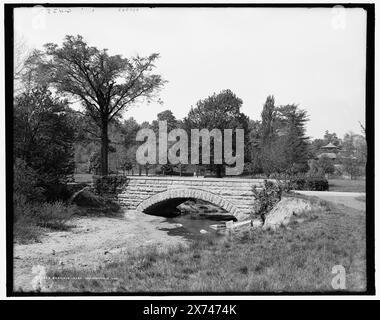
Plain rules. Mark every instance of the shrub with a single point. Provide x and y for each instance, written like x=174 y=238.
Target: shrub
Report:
x=310 y=183
x=25 y=182
x=93 y=204
x=30 y=217
x=266 y=197
x=23 y=210
x=53 y=215
x=56 y=192
x=108 y=184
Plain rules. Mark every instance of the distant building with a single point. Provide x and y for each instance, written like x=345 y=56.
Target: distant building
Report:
x=330 y=151
x=330 y=148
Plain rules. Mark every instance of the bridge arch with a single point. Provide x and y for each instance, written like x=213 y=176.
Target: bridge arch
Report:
x=178 y=196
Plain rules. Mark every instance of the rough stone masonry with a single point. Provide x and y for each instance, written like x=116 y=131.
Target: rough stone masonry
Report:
x=146 y=194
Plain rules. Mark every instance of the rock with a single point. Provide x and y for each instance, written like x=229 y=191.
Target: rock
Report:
x=284 y=210
x=230 y=224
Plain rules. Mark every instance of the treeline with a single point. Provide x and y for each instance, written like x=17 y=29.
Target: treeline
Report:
x=275 y=145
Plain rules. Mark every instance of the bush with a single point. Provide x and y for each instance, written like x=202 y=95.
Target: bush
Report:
x=108 y=184
x=30 y=217
x=47 y=215
x=266 y=197
x=93 y=204
x=56 y=192
x=25 y=182
x=310 y=183
x=54 y=215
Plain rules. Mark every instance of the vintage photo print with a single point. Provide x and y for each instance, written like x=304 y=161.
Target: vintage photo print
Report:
x=189 y=149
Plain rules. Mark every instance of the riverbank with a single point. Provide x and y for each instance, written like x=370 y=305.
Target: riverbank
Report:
x=299 y=258
x=90 y=243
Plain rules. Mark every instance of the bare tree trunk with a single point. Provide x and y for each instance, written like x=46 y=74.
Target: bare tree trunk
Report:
x=104 y=148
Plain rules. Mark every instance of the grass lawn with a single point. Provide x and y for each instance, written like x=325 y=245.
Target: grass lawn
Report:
x=344 y=185
x=295 y=259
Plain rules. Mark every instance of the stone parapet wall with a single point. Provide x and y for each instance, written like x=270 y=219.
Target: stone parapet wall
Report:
x=233 y=195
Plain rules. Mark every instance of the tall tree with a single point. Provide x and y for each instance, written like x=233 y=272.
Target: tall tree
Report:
x=44 y=135
x=220 y=111
x=354 y=154
x=283 y=144
x=168 y=116
x=268 y=118
x=105 y=84
x=293 y=129
x=331 y=138
x=171 y=123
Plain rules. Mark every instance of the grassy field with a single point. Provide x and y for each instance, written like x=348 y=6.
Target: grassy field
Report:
x=299 y=258
x=344 y=185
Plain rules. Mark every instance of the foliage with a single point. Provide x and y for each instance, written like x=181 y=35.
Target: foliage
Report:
x=105 y=84
x=331 y=138
x=221 y=111
x=25 y=182
x=354 y=154
x=171 y=121
x=53 y=215
x=108 y=184
x=310 y=183
x=30 y=217
x=266 y=198
x=279 y=144
x=326 y=164
x=315 y=169
x=43 y=135
x=90 y=204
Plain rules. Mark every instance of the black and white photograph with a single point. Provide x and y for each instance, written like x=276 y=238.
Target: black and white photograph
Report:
x=189 y=149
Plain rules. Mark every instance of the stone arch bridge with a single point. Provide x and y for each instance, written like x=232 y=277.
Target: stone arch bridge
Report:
x=149 y=194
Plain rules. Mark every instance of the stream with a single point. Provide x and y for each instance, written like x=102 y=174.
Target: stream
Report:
x=196 y=226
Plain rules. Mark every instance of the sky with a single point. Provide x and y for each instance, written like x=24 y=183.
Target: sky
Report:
x=311 y=57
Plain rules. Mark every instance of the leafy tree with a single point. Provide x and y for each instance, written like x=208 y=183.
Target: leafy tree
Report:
x=105 y=84
x=293 y=123
x=254 y=147
x=315 y=147
x=283 y=144
x=268 y=120
x=331 y=138
x=327 y=164
x=129 y=129
x=26 y=182
x=354 y=154
x=171 y=121
x=351 y=166
x=43 y=135
x=219 y=111
x=315 y=170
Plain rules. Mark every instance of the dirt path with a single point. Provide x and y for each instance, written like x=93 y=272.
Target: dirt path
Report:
x=348 y=199
x=93 y=241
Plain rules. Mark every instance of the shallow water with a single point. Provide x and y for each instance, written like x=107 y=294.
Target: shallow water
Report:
x=190 y=225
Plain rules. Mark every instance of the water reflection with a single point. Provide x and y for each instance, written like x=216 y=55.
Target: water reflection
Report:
x=195 y=226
